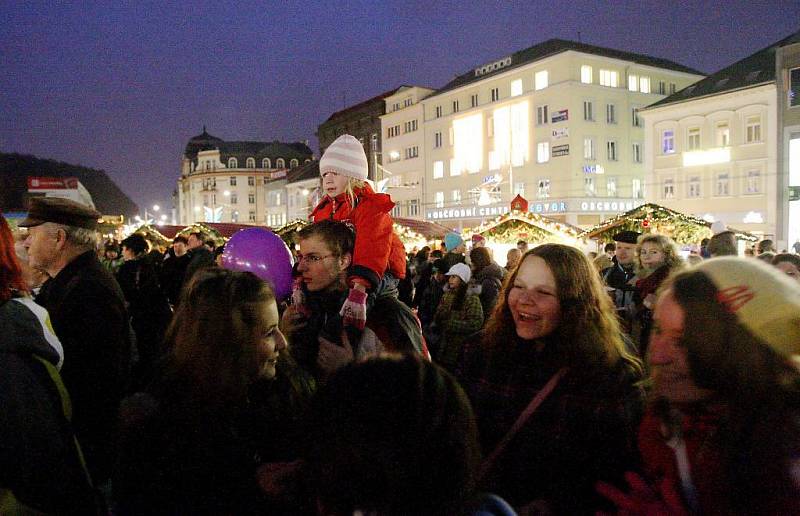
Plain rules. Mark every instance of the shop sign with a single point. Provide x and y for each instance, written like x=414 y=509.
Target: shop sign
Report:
x=468 y=212
x=560 y=150
x=593 y=169
x=560 y=133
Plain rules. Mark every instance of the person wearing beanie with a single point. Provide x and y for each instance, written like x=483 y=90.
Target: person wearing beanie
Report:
x=722 y=432
x=379 y=260
x=455 y=247
x=458 y=316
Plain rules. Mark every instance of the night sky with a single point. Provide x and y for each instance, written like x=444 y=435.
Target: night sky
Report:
x=122 y=86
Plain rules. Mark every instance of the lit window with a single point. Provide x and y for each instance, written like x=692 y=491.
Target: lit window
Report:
x=588 y=186
x=516 y=87
x=669 y=189
x=753 y=129
x=633 y=83
x=542 y=152
x=541 y=115
x=693 y=138
x=723 y=134
x=611 y=147
x=586 y=74
x=468 y=143
x=588 y=110
x=668 y=141
x=611 y=114
x=644 y=84
x=438 y=169
x=440 y=199
x=609 y=78
x=723 y=185
x=636 y=189
x=637 y=152
x=611 y=187
x=693 y=190
x=753 y=185
x=540 y=80
x=588 y=148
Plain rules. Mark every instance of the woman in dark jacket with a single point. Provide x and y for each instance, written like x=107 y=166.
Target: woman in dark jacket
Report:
x=487 y=279
x=556 y=325
x=184 y=447
x=147 y=304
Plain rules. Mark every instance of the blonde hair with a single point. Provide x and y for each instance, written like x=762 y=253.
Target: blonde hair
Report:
x=352 y=185
x=672 y=258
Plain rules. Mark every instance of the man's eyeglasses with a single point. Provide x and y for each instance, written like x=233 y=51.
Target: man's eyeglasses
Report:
x=311 y=258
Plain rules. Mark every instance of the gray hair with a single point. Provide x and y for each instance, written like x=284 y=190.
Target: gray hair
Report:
x=79 y=237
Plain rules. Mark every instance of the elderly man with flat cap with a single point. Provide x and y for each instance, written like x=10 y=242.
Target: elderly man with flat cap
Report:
x=88 y=314
x=618 y=277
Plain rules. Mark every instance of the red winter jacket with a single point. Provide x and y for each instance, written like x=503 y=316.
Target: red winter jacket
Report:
x=378 y=248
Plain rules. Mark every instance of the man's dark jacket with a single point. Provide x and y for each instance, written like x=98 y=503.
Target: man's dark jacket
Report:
x=87 y=310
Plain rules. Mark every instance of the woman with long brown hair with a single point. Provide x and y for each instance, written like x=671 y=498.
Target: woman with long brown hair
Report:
x=554 y=334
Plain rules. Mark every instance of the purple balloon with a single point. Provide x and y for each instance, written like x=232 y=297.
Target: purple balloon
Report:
x=263 y=253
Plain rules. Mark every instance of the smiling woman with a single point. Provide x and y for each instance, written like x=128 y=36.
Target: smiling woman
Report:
x=183 y=446
x=554 y=321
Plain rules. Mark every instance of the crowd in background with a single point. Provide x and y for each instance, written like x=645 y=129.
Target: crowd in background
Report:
x=137 y=380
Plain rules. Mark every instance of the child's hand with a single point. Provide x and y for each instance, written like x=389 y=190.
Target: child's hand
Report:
x=354 y=310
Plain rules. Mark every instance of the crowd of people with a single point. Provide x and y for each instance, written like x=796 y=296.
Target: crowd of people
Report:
x=633 y=382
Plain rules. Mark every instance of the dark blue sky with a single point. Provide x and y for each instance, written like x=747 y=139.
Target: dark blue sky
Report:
x=123 y=85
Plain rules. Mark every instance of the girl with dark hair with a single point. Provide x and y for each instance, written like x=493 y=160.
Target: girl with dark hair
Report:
x=184 y=446
x=458 y=316
x=554 y=341
x=722 y=433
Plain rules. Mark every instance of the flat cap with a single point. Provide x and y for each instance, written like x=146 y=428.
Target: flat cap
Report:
x=60 y=211
x=627 y=237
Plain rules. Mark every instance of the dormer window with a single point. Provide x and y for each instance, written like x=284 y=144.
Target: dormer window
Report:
x=293 y=163
x=280 y=163
x=251 y=163
x=233 y=163
x=265 y=163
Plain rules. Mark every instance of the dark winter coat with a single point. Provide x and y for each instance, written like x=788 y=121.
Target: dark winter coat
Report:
x=199 y=258
x=584 y=431
x=378 y=249
x=487 y=283
x=88 y=312
x=171 y=277
x=619 y=279
x=39 y=462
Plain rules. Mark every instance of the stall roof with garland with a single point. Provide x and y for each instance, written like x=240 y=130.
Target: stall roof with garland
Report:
x=532 y=227
x=652 y=218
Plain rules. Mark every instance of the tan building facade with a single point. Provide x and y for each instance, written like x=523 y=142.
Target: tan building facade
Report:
x=557 y=123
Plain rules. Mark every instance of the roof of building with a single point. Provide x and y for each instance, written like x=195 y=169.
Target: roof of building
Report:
x=753 y=70
x=303 y=172
x=553 y=47
x=245 y=149
x=357 y=107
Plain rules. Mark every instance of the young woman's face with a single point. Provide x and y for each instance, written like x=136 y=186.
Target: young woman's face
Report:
x=669 y=362
x=789 y=269
x=270 y=340
x=652 y=255
x=333 y=184
x=533 y=300
x=454 y=281
x=127 y=254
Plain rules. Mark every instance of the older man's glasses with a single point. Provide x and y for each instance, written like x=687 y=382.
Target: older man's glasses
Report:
x=312 y=258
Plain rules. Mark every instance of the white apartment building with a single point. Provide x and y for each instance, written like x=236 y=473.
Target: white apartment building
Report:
x=720 y=149
x=303 y=191
x=403 y=170
x=557 y=123
x=224 y=181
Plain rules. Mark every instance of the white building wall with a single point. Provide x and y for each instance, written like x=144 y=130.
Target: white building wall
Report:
x=737 y=182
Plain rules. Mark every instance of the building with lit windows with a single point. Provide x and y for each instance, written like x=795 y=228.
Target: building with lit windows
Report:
x=728 y=147
x=303 y=190
x=403 y=166
x=227 y=181
x=557 y=123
